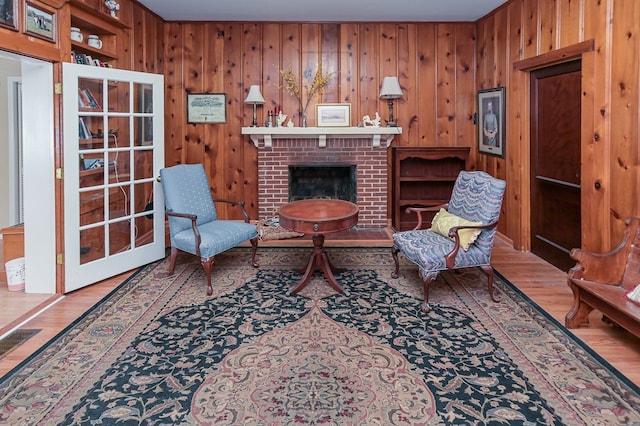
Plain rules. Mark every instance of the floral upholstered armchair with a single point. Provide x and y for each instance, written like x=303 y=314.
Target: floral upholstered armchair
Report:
x=461 y=233
x=193 y=222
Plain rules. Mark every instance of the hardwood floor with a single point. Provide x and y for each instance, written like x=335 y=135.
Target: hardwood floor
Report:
x=542 y=282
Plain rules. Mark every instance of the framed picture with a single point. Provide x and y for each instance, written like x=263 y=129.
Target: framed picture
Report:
x=491 y=126
x=206 y=108
x=39 y=22
x=333 y=115
x=9 y=14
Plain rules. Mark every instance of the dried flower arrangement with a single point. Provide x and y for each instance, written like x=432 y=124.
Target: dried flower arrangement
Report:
x=318 y=84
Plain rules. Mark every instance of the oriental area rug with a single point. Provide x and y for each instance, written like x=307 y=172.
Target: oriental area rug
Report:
x=159 y=351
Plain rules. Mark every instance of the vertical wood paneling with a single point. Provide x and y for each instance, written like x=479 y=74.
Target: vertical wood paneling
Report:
x=291 y=56
x=368 y=88
x=515 y=204
x=407 y=74
x=425 y=114
x=271 y=92
x=464 y=104
x=233 y=154
x=193 y=60
x=247 y=175
x=547 y=26
x=349 y=62
x=174 y=107
x=330 y=60
x=595 y=158
x=569 y=22
x=311 y=63
x=389 y=57
x=624 y=100
x=529 y=28
x=445 y=72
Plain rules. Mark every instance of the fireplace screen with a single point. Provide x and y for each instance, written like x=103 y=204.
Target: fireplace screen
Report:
x=326 y=181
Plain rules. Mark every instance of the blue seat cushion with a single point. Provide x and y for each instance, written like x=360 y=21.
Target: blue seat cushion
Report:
x=216 y=237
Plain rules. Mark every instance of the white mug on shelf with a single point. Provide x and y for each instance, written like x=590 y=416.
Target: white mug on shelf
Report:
x=76 y=35
x=94 y=41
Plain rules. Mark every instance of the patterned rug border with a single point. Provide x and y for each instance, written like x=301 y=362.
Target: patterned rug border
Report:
x=77 y=321
x=568 y=333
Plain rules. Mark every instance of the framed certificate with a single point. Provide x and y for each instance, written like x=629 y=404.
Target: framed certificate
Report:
x=206 y=108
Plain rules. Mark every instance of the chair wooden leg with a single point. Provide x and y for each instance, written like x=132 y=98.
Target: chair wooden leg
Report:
x=490 y=277
x=394 y=254
x=254 y=248
x=206 y=264
x=425 y=307
x=172 y=260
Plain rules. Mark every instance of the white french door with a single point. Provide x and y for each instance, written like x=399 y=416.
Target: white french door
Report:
x=113 y=152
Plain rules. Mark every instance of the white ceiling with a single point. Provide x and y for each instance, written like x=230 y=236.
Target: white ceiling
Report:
x=322 y=10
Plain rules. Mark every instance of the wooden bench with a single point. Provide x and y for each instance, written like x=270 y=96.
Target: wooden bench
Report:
x=600 y=281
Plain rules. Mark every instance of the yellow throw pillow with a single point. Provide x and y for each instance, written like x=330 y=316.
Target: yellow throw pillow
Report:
x=443 y=221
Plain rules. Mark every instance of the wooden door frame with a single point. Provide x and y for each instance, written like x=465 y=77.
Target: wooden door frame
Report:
x=592 y=217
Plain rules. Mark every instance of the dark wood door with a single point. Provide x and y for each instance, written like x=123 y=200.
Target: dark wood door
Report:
x=555 y=162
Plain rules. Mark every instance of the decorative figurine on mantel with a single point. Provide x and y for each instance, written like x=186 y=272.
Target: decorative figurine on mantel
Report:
x=290 y=123
x=281 y=118
x=113 y=7
x=368 y=122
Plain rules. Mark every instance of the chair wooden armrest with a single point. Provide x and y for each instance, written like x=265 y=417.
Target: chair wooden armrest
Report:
x=240 y=204
x=450 y=257
x=420 y=210
x=194 y=226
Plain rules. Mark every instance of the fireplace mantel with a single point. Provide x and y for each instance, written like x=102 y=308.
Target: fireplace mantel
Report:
x=377 y=134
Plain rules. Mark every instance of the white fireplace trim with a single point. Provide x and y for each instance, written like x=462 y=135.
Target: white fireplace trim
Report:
x=377 y=134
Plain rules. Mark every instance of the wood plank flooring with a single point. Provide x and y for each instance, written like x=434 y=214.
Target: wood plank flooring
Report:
x=543 y=283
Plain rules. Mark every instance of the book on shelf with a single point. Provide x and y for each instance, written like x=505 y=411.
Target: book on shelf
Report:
x=83 y=130
x=86 y=99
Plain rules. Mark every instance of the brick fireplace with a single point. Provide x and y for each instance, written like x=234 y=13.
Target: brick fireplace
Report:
x=369 y=158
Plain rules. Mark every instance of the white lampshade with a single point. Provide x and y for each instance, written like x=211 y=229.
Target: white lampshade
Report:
x=254 y=96
x=390 y=88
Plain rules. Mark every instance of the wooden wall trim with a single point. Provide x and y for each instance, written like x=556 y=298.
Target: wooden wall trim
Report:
x=555 y=57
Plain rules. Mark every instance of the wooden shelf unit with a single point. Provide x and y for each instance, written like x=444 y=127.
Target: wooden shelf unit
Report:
x=423 y=177
x=91 y=17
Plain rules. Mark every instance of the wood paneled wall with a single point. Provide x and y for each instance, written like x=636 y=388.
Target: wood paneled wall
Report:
x=537 y=30
x=435 y=64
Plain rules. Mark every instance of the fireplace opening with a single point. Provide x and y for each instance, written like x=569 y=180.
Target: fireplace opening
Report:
x=325 y=181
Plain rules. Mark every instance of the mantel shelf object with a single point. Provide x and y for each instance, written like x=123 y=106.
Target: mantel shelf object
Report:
x=377 y=134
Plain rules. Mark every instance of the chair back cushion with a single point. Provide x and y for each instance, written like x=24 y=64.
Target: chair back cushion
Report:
x=186 y=190
x=477 y=197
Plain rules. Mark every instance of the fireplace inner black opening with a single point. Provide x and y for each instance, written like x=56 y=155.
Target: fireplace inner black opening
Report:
x=326 y=181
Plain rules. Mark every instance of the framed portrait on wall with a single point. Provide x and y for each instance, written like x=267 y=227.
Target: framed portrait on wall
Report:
x=491 y=121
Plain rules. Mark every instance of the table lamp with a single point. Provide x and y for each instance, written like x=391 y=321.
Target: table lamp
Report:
x=254 y=97
x=391 y=90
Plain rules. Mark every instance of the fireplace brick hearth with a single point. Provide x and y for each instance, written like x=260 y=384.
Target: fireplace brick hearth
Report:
x=372 y=176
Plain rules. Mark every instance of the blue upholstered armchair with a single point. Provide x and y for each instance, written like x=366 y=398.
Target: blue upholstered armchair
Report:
x=193 y=222
x=461 y=234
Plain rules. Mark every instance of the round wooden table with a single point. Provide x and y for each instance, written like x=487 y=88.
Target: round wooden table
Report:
x=319 y=217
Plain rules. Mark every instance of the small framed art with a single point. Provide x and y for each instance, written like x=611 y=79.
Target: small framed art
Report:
x=206 y=108
x=39 y=22
x=9 y=14
x=333 y=115
x=491 y=126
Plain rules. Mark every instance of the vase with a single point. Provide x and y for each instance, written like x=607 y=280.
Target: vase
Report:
x=303 y=120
